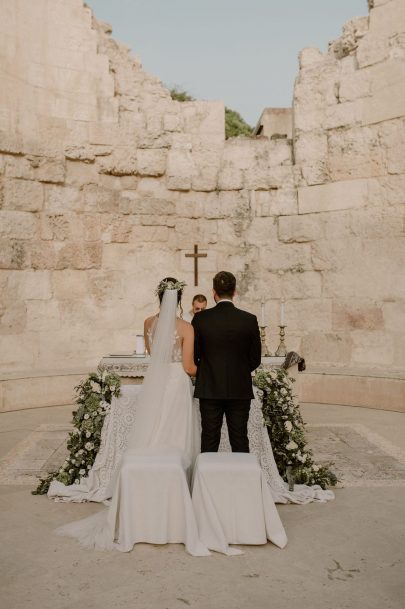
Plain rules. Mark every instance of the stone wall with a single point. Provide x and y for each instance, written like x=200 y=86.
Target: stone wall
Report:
x=106 y=184
x=349 y=115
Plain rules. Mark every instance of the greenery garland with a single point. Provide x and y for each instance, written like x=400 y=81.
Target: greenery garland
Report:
x=94 y=395
x=282 y=416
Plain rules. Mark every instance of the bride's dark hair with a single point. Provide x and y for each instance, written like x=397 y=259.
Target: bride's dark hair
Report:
x=162 y=287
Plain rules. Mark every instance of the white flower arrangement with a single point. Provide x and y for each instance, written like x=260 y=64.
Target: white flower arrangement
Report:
x=94 y=395
x=282 y=417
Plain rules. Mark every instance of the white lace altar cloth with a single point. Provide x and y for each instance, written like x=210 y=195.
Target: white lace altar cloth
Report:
x=119 y=420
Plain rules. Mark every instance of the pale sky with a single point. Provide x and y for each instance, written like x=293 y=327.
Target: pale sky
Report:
x=244 y=52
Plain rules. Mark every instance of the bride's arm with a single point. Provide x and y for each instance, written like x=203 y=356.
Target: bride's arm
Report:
x=188 y=350
x=146 y=326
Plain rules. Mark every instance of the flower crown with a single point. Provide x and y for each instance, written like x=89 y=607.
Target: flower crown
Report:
x=170 y=285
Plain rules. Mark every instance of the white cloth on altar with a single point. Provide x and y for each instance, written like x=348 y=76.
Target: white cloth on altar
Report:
x=119 y=420
x=233 y=504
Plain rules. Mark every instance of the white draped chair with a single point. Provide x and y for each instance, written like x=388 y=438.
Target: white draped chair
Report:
x=233 y=503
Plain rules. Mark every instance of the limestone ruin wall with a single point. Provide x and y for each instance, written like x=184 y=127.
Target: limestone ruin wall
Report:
x=106 y=183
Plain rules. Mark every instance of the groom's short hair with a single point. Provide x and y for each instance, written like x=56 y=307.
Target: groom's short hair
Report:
x=224 y=284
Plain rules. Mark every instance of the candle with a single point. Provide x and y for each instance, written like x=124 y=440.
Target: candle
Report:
x=140 y=344
x=263 y=323
x=282 y=312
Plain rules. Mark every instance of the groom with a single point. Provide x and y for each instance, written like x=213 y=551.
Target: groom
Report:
x=227 y=350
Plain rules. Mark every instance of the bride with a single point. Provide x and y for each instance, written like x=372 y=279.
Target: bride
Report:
x=166 y=425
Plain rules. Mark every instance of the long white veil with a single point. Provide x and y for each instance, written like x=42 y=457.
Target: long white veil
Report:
x=151 y=395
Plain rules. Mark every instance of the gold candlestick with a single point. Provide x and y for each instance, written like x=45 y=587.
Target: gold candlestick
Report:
x=282 y=349
x=265 y=352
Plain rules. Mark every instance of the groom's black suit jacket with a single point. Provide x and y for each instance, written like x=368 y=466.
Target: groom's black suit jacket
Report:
x=227 y=350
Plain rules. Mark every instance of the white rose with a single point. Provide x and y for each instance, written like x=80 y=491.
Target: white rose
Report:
x=283 y=391
x=82 y=472
x=88 y=434
x=73 y=461
x=291 y=445
x=77 y=481
x=88 y=445
x=95 y=387
x=89 y=466
x=71 y=471
x=315 y=468
x=288 y=425
x=86 y=416
x=304 y=458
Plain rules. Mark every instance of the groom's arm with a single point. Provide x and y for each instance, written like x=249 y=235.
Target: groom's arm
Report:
x=255 y=355
x=197 y=354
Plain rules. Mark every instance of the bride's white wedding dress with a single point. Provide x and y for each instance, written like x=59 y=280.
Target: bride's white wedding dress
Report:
x=163 y=444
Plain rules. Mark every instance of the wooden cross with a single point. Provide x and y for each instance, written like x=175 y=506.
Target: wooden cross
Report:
x=196 y=256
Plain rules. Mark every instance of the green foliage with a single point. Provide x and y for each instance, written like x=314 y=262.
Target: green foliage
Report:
x=94 y=396
x=180 y=96
x=234 y=124
x=282 y=416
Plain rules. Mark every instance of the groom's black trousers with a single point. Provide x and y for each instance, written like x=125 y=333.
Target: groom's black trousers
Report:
x=237 y=415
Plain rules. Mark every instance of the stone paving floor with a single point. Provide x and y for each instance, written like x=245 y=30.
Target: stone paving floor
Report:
x=344 y=554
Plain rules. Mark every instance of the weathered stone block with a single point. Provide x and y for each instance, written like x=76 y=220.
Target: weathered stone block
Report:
x=279 y=202
x=18 y=224
x=122 y=162
x=230 y=178
x=285 y=258
x=371 y=349
x=116 y=228
x=106 y=285
x=79 y=173
x=357 y=315
x=62 y=199
x=151 y=162
x=99 y=199
x=42 y=315
x=180 y=170
x=355 y=153
x=81 y=152
x=189 y=231
x=50 y=170
x=18 y=167
x=133 y=203
x=394 y=316
x=13 y=318
x=261 y=231
x=141 y=233
x=70 y=284
x=13 y=254
x=18 y=354
x=42 y=254
x=306 y=314
x=206 y=179
x=299 y=228
x=320 y=347
x=172 y=122
x=311 y=151
x=336 y=195
x=31 y=285
x=23 y=195
x=79 y=256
